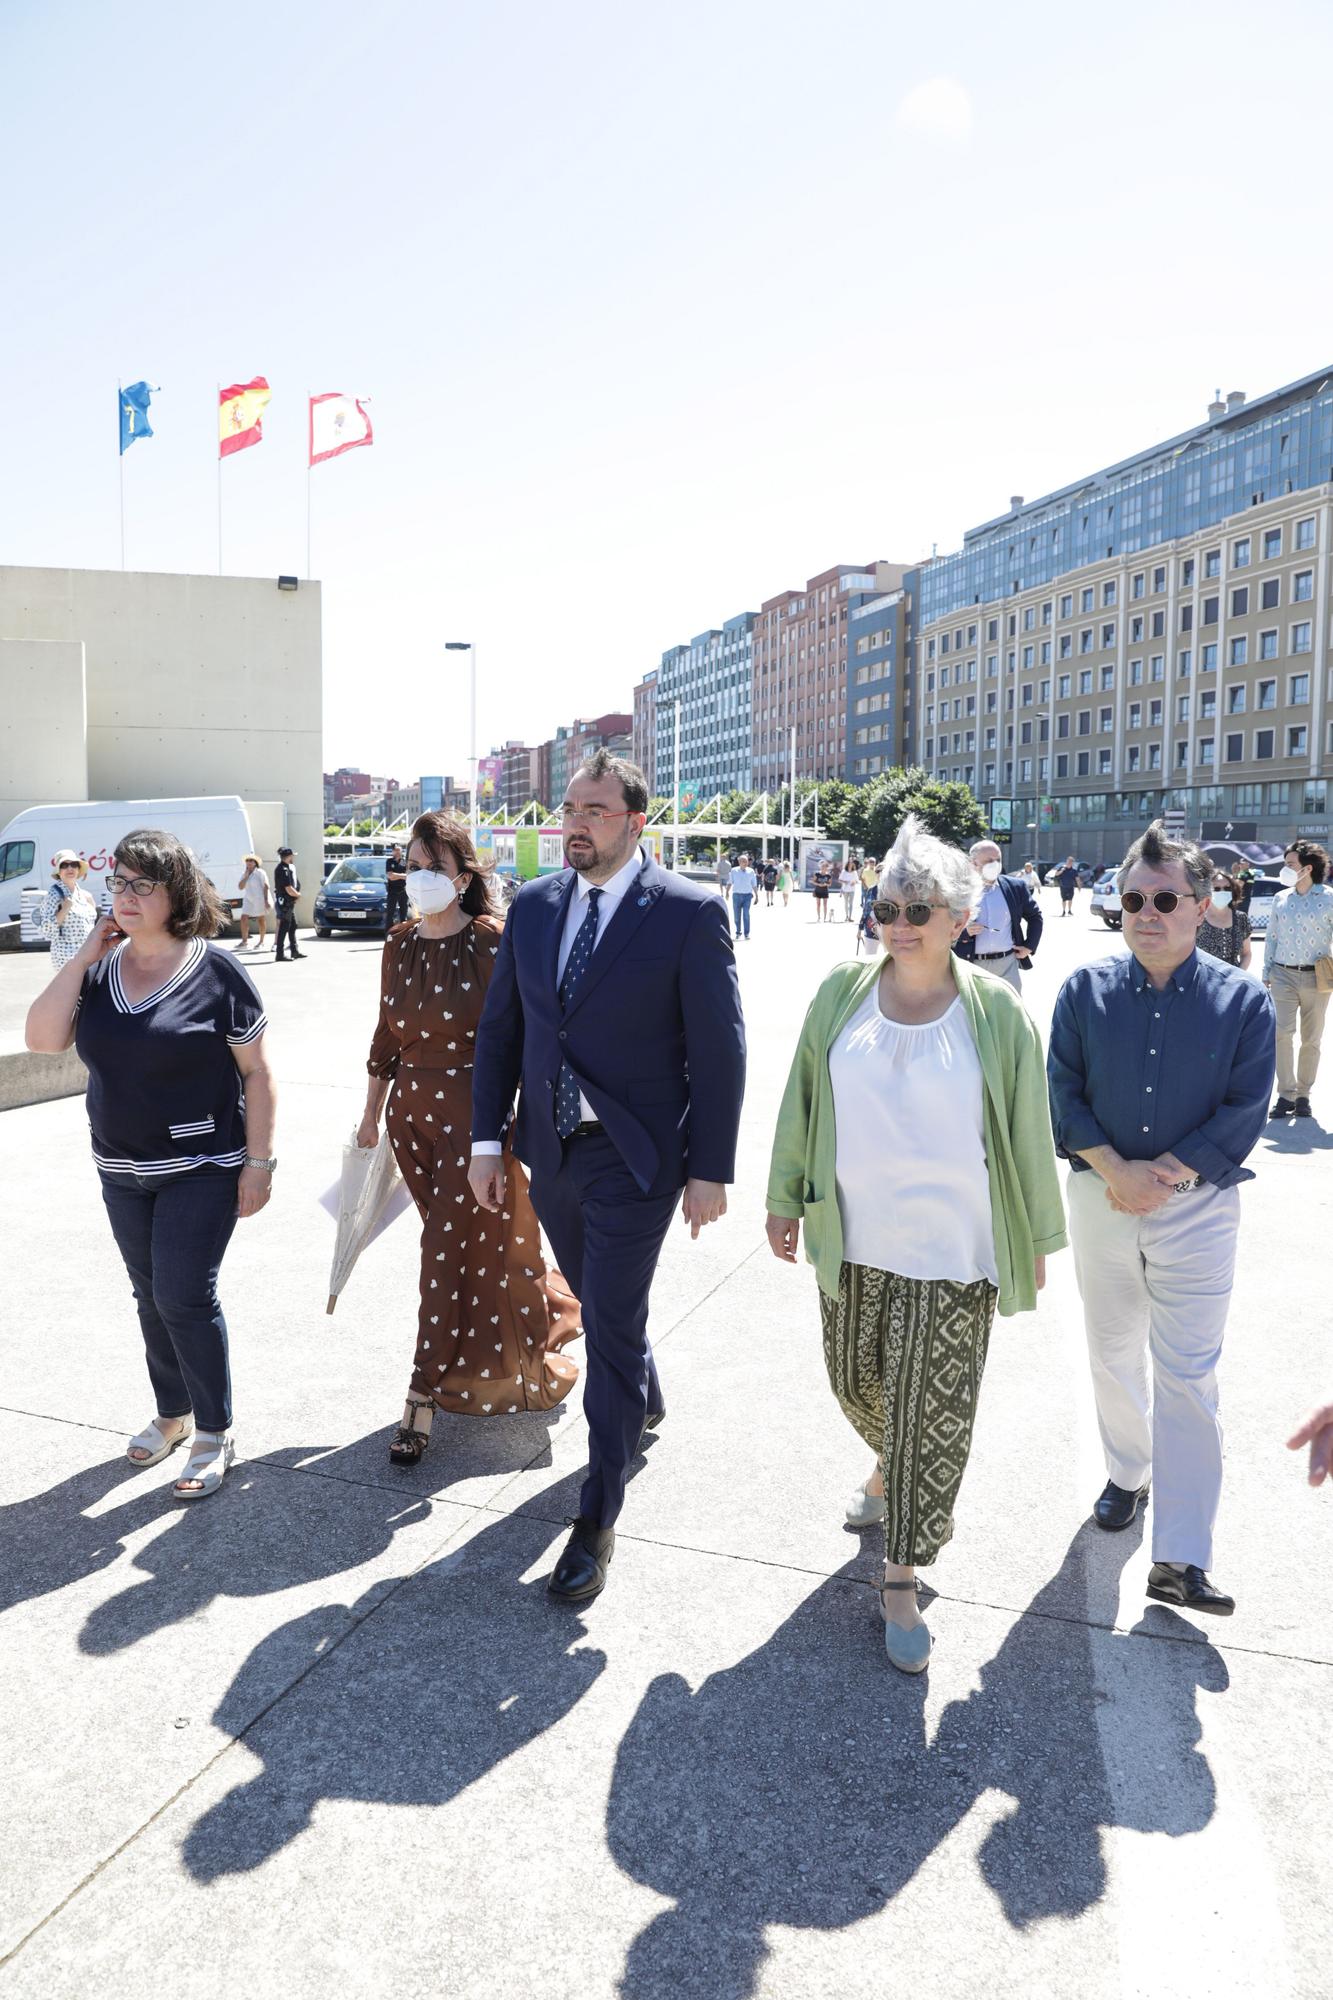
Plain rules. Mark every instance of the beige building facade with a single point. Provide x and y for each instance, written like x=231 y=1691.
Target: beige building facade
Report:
x=134 y=685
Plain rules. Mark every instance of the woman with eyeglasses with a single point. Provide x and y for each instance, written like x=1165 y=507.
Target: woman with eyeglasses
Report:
x=1225 y=931
x=69 y=914
x=180 y=1107
x=914 y=1144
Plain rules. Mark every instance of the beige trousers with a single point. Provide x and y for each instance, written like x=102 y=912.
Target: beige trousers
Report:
x=1297 y=998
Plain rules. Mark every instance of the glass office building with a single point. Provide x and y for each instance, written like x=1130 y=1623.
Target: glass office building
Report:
x=711 y=680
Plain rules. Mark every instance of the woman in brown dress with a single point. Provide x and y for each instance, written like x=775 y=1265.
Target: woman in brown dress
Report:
x=492 y=1316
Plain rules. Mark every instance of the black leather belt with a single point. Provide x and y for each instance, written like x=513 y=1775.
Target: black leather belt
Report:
x=983 y=956
x=1284 y=967
x=585 y=1127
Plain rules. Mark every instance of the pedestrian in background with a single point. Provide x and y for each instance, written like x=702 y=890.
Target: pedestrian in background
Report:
x=68 y=916
x=869 y=883
x=1298 y=972
x=490 y=1316
x=820 y=883
x=1031 y=881
x=286 y=889
x=1242 y=876
x=1225 y=931
x=395 y=887
x=724 y=875
x=914 y=1144
x=769 y=878
x=744 y=883
x=1160 y=1065
x=1068 y=881
x=256 y=898
x=1004 y=934
x=784 y=882
x=180 y=1107
x=614 y=1004
x=849 y=885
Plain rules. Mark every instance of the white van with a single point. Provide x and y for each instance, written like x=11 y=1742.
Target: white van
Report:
x=217 y=832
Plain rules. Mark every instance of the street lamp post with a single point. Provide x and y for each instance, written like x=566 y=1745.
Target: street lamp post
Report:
x=467 y=646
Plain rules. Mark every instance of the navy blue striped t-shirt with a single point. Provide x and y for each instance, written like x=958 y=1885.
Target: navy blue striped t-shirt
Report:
x=164 y=1093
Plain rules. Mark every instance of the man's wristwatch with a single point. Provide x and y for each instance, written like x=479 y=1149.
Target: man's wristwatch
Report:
x=267 y=1165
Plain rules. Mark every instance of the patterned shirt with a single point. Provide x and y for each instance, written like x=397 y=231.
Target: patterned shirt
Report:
x=69 y=938
x=1300 y=928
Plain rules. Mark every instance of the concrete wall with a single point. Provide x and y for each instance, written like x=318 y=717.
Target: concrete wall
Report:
x=195 y=684
x=43 y=754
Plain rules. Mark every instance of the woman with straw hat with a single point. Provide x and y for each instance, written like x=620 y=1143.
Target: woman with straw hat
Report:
x=68 y=917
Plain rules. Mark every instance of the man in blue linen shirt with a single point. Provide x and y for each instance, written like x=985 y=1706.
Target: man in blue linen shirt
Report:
x=1160 y=1067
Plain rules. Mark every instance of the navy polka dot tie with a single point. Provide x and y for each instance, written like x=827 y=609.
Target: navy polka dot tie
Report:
x=567 y=1111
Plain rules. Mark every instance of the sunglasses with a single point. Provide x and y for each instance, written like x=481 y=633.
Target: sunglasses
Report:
x=1165 y=900
x=917 y=914
x=65 y=866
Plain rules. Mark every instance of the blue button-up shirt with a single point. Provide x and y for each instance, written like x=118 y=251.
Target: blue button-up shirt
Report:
x=1186 y=1070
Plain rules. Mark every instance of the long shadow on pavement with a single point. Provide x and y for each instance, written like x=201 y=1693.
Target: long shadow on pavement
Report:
x=396 y=1733
x=798 y=1787
x=50 y=1541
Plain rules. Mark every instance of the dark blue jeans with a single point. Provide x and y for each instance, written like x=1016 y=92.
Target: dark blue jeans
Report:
x=607 y=1235
x=172 y=1238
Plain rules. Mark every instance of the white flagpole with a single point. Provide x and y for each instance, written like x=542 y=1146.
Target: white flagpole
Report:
x=120 y=448
x=217 y=443
x=309 y=452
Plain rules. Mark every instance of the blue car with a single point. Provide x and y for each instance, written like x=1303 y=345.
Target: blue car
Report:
x=353 y=897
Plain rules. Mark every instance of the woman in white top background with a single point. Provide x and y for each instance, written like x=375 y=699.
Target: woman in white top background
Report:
x=914 y=1144
x=849 y=882
x=1300 y=933
x=256 y=900
x=68 y=917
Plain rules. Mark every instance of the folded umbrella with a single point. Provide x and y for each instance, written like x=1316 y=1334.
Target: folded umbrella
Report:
x=369 y=1194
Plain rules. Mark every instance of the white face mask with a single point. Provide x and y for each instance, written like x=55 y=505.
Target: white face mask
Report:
x=1221 y=899
x=1288 y=877
x=430 y=890
x=990 y=871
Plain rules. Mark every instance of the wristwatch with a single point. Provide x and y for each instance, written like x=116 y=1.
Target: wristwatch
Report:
x=267 y=1165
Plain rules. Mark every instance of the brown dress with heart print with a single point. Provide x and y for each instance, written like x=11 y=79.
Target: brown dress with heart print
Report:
x=493 y=1317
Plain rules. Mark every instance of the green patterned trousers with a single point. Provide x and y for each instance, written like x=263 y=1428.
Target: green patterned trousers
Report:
x=904 y=1357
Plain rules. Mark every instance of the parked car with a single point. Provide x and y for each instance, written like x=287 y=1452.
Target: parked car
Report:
x=353 y=898
x=1261 y=900
x=1106 y=899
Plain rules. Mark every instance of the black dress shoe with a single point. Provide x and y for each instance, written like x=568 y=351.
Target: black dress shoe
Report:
x=1303 y=1108
x=1117 y=1505
x=581 y=1570
x=650 y=1423
x=1189 y=1588
x=1284 y=1108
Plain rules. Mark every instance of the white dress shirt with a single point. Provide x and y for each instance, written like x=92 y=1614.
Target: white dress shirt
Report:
x=996 y=934
x=608 y=904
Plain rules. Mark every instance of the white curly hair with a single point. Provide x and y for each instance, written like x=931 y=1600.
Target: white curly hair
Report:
x=921 y=869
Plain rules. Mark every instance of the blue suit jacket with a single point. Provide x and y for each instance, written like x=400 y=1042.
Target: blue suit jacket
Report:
x=1024 y=916
x=653 y=1033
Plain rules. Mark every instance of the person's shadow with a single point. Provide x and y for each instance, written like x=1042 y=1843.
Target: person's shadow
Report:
x=378 y=1722
x=798 y=1787
x=50 y=1541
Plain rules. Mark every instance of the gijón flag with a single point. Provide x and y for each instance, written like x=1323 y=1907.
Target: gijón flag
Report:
x=337 y=424
x=240 y=415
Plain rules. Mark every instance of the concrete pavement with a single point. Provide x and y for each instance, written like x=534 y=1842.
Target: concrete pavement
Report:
x=329 y=1728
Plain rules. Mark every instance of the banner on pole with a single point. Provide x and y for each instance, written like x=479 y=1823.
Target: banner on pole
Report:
x=337 y=424
x=240 y=415
x=134 y=422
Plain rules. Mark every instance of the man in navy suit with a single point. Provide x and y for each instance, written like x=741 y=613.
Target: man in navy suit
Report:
x=614 y=1003
x=1003 y=936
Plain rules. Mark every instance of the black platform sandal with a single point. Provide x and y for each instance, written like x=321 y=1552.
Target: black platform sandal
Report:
x=408 y=1444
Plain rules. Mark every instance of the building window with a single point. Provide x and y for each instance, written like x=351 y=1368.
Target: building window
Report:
x=1108 y=593
x=1103 y=763
x=1235 y=748
x=1182 y=756
x=1205 y=750
x=1136 y=585
x=1240 y=602
x=1209 y=611
x=1183 y=664
x=1135 y=720
x=1158 y=625
x=1239 y=649
x=1154 y=756
x=1085 y=722
x=1298 y=737
x=1085 y=639
x=1182 y=708
x=1187 y=573
x=1062 y=766
x=1266 y=694
x=1104 y=723
x=1236 y=699
x=1157 y=667
x=1305 y=533
x=1084 y=765
x=1062 y=725
x=1132 y=757
x=1066 y=645
x=1240 y=553
x=1268 y=645
x=1263 y=743
x=1063 y=687
x=1298 y=690
x=1207 y=659
x=1155 y=713
x=1212 y=563
x=1208 y=705
x=1272 y=544
x=1302 y=586
x=1085 y=681
x=1067 y=606
x=1086 y=601
x=1270 y=593
x=1300 y=637
x=1187 y=617
x=1136 y=631
x=1108 y=635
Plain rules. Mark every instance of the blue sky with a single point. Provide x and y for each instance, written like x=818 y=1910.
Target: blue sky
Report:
x=659 y=309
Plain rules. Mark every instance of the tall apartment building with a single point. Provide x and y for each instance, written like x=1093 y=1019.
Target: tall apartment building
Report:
x=643 y=736
x=800 y=644
x=712 y=680
x=521 y=776
x=1153 y=637
x=878 y=659
x=575 y=741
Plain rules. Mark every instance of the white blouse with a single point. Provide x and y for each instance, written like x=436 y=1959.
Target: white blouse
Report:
x=913 y=1190
x=69 y=938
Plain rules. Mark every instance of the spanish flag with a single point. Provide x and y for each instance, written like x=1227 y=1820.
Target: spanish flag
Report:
x=240 y=415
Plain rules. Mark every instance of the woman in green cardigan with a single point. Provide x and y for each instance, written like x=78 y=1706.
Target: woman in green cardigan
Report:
x=914 y=1143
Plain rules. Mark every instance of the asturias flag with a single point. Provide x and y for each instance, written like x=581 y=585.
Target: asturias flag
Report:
x=240 y=413
x=337 y=424
x=134 y=422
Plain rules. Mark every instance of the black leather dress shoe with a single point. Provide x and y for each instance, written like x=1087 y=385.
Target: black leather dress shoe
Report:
x=1303 y=1108
x=1117 y=1505
x=1284 y=1108
x=650 y=1423
x=581 y=1570
x=1189 y=1588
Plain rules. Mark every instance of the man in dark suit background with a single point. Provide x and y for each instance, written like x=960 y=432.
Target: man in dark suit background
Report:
x=1003 y=936
x=614 y=1003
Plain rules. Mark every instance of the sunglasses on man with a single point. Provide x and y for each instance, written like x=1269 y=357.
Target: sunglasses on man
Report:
x=1165 y=901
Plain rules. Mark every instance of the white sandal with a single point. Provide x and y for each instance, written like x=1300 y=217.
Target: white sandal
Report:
x=155 y=1443
x=213 y=1453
